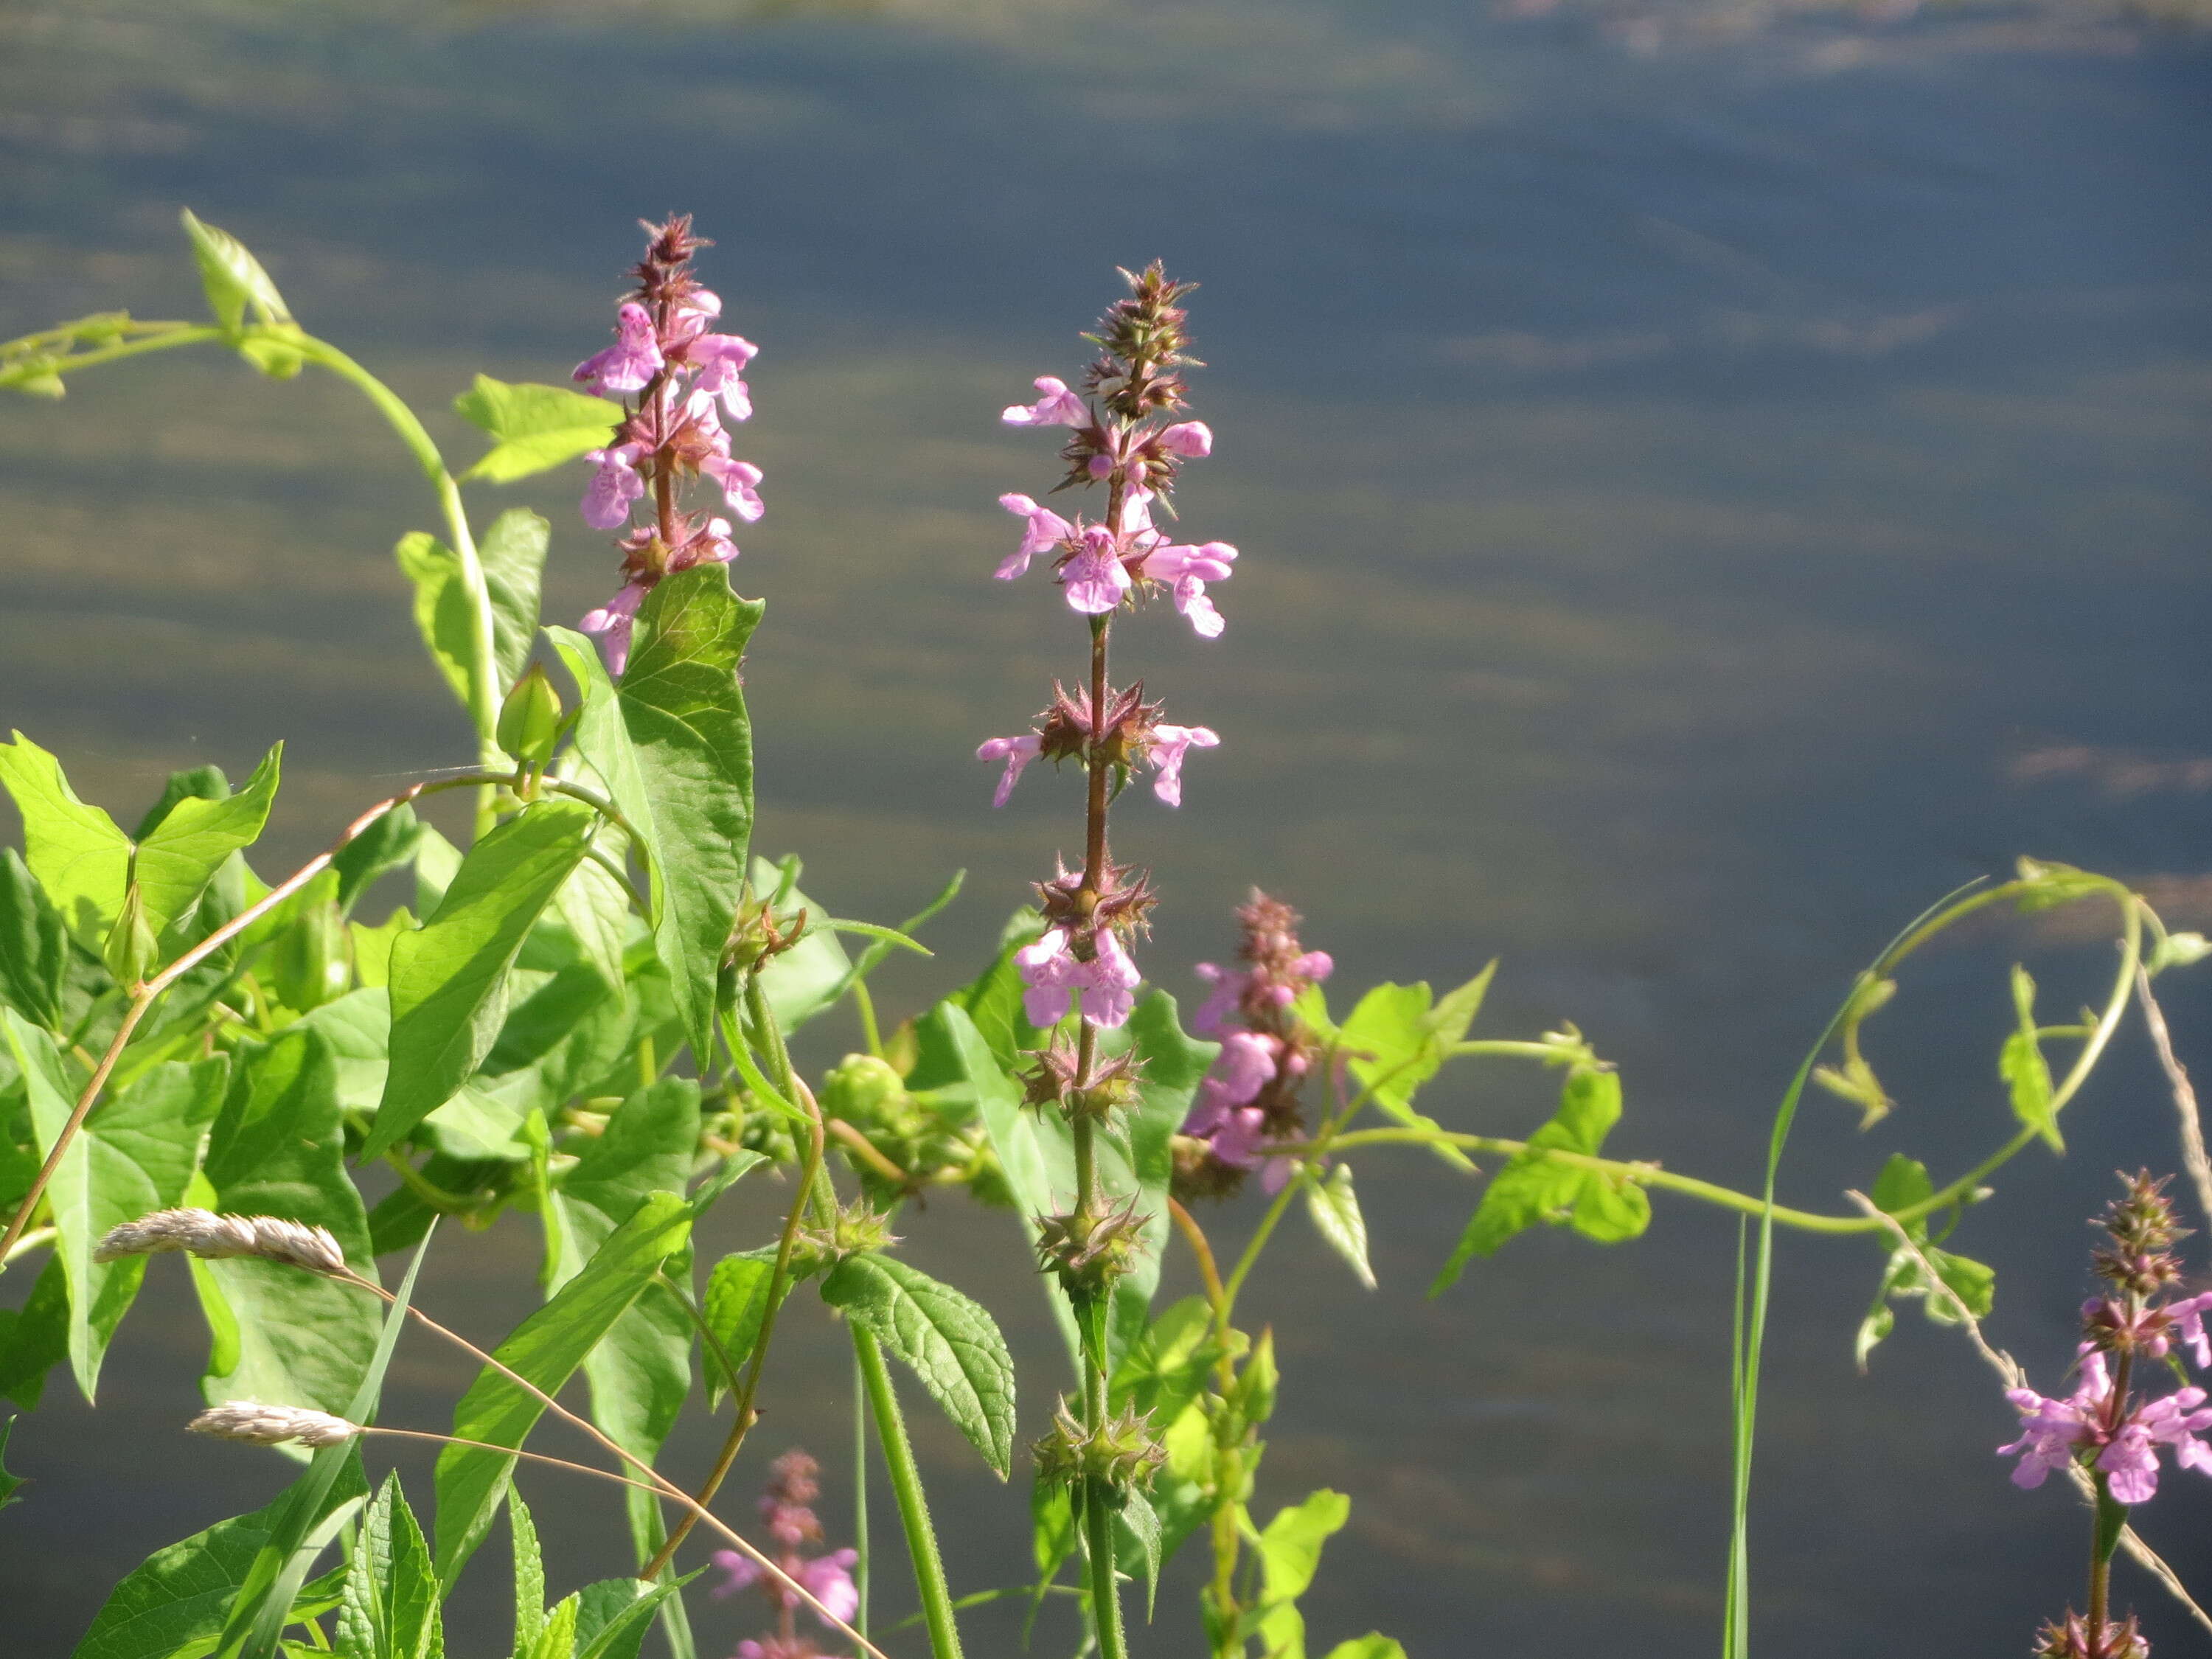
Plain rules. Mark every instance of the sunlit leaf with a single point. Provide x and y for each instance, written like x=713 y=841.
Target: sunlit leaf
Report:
x=182 y=854
x=233 y=277
x=2022 y=1066
x=81 y=858
x=947 y=1338
x=1289 y=1555
x=33 y=946
x=533 y=427
x=1334 y=1210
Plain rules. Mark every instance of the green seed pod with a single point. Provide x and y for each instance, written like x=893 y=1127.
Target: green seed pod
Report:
x=312 y=962
x=130 y=952
x=530 y=720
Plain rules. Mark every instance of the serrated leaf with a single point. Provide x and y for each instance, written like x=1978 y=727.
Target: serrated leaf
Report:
x=277 y=1147
x=81 y=858
x=1137 y=1519
x=2020 y=1064
x=533 y=427
x=389 y=1608
x=611 y=1615
x=546 y=1348
x=132 y=1156
x=182 y=854
x=674 y=743
x=529 y=1575
x=1334 y=1210
x=233 y=277
x=448 y=980
x=948 y=1341
x=33 y=946
x=558 y=1640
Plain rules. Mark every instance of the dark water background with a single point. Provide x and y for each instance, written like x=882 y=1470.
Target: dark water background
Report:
x=1708 y=481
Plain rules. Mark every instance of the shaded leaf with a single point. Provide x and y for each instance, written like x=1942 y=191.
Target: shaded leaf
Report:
x=443 y=614
x=735 y=1307
x=512 y=555
x=33 y=946
x=448 y=984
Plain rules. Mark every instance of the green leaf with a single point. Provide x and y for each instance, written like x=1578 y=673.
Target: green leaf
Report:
x=1335 y=1209
x=278 y=1148
x=79 y=856
x=1370 y=1646
x=529 y=1575
x=611 y=1615
x=594 y=908
x=386 y=846
x=34 y=1338
x=1137 y=1524
x=197 y=783
x=443 y=616
x=1903 y=1183
x=641 y=1374
x=1533 y=1188
x=1165 y=1369
x=1289 y=1555
x=948 y=1341
x=533 y=427
x=735 y=1307
x=2023 y=1068
x=512 y=555
x=181 y=855
x=449 y=979
x=674 y=745
x=33 y=946
x=233 y=277
x=1396 y=1040
x=172 y=1604
x=546 y=1348
x=390 y=1605
x=131 y=1157
x=308 y=1518
x=558 y=1640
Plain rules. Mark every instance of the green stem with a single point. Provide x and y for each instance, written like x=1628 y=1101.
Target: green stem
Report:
x=173 y=335
x=860 y=1545
x=1105 y=1591
x=913 y=1507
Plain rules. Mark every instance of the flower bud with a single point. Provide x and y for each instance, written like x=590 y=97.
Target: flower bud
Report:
x=132 y=950
x=530 y=720
x=313 y=964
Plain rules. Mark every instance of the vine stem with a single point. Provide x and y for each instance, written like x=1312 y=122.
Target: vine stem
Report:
x=150 y=991
x=906 y=1487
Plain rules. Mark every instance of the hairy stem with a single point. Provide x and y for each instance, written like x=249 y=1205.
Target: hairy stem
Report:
x=906 y=1487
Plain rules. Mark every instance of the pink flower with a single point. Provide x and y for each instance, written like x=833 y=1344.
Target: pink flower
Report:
x=1188 y=568
x=1055 y=406
x=611 y=622
x=1214 y=1014
x=1245 y=1066
x=615 y=484
x=720 y=360
x=2054 y=1430
x=1017 y=752
x=2189 y=1318
x=1193 y=440
x=1104 y=989
x=1046 y=530
x=740 y=483
x=829 y=1579
x=1166 y=751
x=1094 y=579
x=631 y=362
x=714 y=546
x=743 y=1573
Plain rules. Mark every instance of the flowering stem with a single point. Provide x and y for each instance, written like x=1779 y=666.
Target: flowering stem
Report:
x=906 y=1486
x=145 y=995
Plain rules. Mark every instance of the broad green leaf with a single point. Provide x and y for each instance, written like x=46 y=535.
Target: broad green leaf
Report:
x=641 y=1374
x=533 y=427
x=1290 y=1554
x=443 y=614
x=529 y=1575
x=951 y=1344
x=558 y=1640
x=513 y=554
x=233 y=277
x=389 y=1608
x=33 y=946
x=172 y=1605
x=1335 y=1209
x=386 y=846
x=372 y=956
x=594 y=908
x=34 y=1338
x=79 y=856
x=1395 y=1041
x=178 y=859
x=674 y=745
x=197 y=783
x=994 y=1001
x=448 y=982
x=133 y=1156
x=357 y=1026
x=2023 y=1068
x=611 y=1615
x=546 y=1348
x=735 y=1305
x=1533 y=1188
x=1370 y=1646
x=278 y=1148
x=1903 y=1183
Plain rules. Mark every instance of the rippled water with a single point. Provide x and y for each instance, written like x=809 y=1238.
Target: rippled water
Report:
x=1710 y=479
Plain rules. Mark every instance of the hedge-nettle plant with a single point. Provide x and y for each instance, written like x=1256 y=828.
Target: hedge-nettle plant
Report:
x=580 y=1014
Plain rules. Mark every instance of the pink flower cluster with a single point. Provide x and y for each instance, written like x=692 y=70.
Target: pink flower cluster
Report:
x=2055 y=1432
x=1100 y=565
x=1103 y=989
x=785 y=1507
x=1249 y=1096
x=683 y=378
